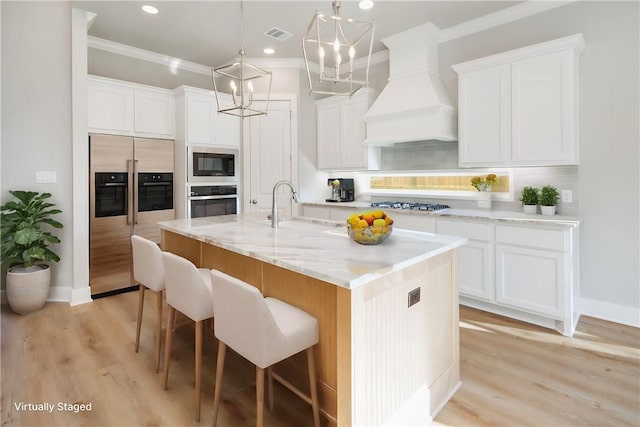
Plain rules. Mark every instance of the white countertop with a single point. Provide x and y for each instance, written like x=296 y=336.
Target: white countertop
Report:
x=479 y=214
x=316 y=248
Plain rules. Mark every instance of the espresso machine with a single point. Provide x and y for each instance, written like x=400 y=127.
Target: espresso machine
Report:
x=342 y=190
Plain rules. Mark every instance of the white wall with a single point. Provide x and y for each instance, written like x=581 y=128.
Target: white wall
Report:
x=36 y=110
x=609 y=148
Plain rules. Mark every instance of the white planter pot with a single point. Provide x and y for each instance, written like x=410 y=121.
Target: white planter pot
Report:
x=548 y=210
x=530 y=209
x=28 y=287
x=484 y=199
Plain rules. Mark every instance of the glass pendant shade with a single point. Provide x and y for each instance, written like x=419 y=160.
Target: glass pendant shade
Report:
x=242 y=81
x=334 y=42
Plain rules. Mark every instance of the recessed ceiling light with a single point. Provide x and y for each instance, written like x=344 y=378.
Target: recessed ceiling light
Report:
x=269 y=51
x=365 y=4
x=150 y=9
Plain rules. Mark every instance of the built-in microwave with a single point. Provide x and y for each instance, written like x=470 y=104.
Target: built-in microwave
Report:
x=212 y=164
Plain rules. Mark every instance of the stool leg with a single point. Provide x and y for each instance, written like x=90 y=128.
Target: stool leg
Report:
x=158 y=328
x=198 y=366
x=270 y=379
x=222 y=348
x=259 y=397
x=313 y=387
x=140 y=308
x=167 y=344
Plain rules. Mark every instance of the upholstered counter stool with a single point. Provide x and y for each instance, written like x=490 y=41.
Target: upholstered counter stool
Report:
x=148 y=272
x=189 y=292
x=264 y=331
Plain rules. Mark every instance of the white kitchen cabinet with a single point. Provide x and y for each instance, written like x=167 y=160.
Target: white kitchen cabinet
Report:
x=519 y=108
x=341 y=131
x=200 y=121
x=154 y=113
x=110 y=107
x=476 y=270
x=123 y=108
x=412 y=222
x=484 y=116
x=528 y=272
x=533 y=269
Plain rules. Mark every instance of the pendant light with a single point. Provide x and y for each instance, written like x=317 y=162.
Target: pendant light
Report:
x=333 y=41
x=242 y=80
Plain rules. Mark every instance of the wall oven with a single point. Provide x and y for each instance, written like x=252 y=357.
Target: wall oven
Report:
x=155 y=191
x=212 y=200
x=111 y=194
x=212 y=164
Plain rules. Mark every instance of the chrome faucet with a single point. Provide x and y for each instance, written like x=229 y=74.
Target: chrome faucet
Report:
x=274 y=202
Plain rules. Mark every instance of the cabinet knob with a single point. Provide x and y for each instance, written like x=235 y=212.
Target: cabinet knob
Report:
x=254 y=202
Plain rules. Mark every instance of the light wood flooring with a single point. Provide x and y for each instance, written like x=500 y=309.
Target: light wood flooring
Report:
x=513 y=374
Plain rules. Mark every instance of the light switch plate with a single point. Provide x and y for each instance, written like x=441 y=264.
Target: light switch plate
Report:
x=46 y=177
x=567 y=196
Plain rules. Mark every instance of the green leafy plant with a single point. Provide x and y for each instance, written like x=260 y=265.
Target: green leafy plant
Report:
x=23 y=241
x=529 y=196
x=549 y=195
x=483 y=183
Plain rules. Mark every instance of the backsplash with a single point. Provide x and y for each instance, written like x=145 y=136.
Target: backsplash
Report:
x=420 y=155
x=425 y=156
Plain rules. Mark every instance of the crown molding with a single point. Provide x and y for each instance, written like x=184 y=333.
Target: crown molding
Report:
x=146 y=55
x=501 y=17
x=495 y=19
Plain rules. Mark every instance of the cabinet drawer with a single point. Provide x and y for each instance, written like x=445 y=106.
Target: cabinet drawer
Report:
x=470 y=230
x=556 y=240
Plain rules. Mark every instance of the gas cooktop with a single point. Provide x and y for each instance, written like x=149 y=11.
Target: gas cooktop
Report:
x=411 y=206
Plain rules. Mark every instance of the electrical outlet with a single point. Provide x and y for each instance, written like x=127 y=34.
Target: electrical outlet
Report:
x=567 y=196
x=414 y=297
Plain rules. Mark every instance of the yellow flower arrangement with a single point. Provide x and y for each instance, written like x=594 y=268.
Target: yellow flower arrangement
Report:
x=483 y=183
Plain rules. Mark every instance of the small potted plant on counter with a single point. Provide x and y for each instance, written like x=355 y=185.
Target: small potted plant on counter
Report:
x=529 y=199
x=483 y=185
x=25 y=248
x=548 y=200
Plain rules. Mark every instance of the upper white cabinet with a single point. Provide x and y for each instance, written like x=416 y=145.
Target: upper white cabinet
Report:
x=123 y=108
x=341 y=131
x=199 y=119
x=520 y=108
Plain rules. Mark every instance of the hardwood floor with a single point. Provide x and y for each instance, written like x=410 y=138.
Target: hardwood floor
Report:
x=513 y=374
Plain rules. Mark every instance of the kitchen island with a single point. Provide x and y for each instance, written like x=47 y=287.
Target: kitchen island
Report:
x=388 y=314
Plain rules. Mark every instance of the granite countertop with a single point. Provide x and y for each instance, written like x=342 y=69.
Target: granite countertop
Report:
x=478 y=214
x=316 y=248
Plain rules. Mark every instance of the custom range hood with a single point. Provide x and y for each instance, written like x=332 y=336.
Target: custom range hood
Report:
x=414 y=105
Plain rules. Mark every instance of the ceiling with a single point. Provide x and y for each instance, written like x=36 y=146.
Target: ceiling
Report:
x=208 y=32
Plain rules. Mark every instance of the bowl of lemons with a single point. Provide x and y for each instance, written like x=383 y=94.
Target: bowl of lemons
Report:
x=369 y=228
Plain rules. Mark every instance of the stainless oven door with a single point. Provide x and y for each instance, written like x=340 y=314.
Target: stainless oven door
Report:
x=201 y=206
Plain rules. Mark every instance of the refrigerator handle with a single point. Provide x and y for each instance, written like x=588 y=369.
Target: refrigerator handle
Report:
x=135 y=192
x=128 y=192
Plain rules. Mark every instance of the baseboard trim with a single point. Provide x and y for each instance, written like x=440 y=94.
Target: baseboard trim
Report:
x=80 y=296
x=612 y=312
x=61 y=294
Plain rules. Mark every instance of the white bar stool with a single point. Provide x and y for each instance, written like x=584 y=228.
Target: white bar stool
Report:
x=148 y=272
x=189 y=292
x=265 y=331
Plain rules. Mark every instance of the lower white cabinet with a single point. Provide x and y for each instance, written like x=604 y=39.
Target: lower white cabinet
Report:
x=527 y=271
x=475 y=259
x=531 y=279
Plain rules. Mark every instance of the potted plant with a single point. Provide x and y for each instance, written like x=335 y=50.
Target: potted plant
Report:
x=483 y=185
x=529 y=199
x=548 y=199
x=25 y=248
